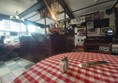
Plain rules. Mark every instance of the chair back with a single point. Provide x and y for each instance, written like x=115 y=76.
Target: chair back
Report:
x=105 y=48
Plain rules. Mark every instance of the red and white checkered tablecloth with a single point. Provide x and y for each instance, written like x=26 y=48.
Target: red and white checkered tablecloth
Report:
x=47 y=71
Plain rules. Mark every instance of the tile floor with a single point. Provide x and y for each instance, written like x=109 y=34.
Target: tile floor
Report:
x=11 y=69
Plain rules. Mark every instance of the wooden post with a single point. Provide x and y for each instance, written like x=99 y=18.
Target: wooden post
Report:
x=45 y=23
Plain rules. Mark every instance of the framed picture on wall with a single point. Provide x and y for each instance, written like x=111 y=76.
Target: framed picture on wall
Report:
x=81 y=31
x=90 y=28
x=105 y=29
x=93 y=16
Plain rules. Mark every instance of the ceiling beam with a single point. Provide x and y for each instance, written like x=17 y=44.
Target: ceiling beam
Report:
x=32 y=16
x=4 y=16
x=92 y=5
x=33 y=8
x=34 y=23
x=66 y=9
x=36 y=7
x=115 y=3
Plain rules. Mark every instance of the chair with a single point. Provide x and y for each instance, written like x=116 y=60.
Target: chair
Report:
x=105 y=48
x=3 y=53
x=97 y=45
x=98 y=48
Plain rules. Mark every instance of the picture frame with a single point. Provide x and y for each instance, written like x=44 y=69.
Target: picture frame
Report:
x=81 y=31
x=90 y=28
x=104 y=29
x=91 y=31
x=93 y=16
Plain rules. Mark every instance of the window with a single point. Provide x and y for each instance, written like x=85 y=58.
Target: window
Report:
x=1 y=25
x=31 y=28
x=7 y=25
x=35 y=29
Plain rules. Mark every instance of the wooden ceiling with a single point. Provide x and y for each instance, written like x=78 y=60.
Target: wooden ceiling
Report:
x=28 y=9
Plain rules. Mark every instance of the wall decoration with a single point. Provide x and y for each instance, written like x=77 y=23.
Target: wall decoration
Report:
x=81 y=31
x=80 y=19
x=90 y=28
x=104 y=29
x=91 y=31
x=90 y=25
x=80 y=35
x=93 y=16
x=73 y=21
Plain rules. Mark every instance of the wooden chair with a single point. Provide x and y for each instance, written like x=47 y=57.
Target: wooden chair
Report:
x=98 y=48
x=105 y=48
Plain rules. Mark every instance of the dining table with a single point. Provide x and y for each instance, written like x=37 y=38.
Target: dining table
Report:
x=48 y=70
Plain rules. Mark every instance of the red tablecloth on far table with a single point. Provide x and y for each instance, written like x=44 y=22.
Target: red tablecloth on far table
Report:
x=47 y=71
x=11 y=47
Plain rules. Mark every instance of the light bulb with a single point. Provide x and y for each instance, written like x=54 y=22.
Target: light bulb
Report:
x=17 y=17
x=11 y=17
x=22 y=19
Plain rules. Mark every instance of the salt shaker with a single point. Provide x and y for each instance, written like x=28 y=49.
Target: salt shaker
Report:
x=66 y=60
x=63 y=64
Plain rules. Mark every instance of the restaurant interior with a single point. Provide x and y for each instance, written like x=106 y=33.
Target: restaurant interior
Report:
x=58 y=41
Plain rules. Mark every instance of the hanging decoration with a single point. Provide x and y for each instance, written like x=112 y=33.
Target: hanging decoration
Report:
x=16 y=17
x=55 y=7
x=51 y=11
